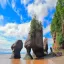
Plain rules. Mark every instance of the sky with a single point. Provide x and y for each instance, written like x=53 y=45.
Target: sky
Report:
x=16 y=16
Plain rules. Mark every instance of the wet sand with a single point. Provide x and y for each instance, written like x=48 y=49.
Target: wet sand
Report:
x=19 y=61
x=5 y=59
x=58 y=60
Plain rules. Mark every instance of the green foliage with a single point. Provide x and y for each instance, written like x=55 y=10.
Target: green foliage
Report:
x=52 y=44
x=58 y=19
x=60 y=39
x=35 y=26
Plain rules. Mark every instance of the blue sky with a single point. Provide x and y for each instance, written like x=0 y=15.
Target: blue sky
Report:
x=16 y=15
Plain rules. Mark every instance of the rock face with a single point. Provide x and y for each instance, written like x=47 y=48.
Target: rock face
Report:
x=16 y=48
x=28 y=46
x=28 y=42
x=45 y=43
x=62 y=45
x=37 y=45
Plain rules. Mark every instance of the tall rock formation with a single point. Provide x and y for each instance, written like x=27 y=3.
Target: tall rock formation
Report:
x=36 y=35
x=27 y=45
x=37 y=45
x=16 y=48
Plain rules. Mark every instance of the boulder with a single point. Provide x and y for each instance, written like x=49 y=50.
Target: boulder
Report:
x=59 y=54
x=16 y=48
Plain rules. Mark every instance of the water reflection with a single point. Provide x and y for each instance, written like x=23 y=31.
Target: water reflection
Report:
x=18 y=61
x=28 y=61
x=40 y=62
x=37 y=62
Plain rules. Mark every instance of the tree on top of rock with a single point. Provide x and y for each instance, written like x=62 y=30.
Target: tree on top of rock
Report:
x=35 y=26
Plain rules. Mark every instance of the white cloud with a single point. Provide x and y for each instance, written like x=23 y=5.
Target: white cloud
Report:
x=13 y=4
x=40 y=9
x=46 y=30
x=3 y=3
x=25 y=2
x=39 y=1
x=17 y=30
x=51 y=3
x=4 y=44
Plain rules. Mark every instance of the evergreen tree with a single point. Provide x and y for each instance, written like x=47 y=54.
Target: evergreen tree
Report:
x=35 y=26
x=58 y=20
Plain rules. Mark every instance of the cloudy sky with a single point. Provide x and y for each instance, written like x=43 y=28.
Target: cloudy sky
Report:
x=16 y=15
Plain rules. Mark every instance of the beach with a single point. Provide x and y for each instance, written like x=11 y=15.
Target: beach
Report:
x=5 y=59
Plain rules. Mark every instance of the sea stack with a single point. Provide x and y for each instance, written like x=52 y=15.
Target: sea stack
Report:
x=36 y=42
x=16 y=48
x=27 y=45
